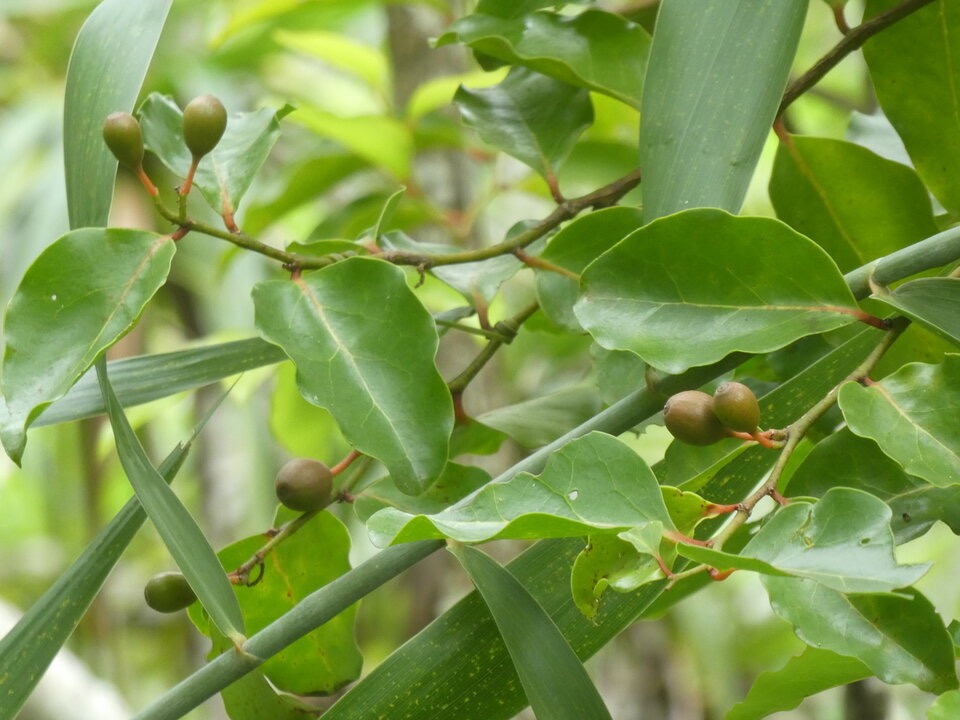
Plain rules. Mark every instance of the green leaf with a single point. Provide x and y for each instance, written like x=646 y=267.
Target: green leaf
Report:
x=574 y=247
x=556 y=683
x=303 y=429
x=901 y=639
x=946 y=707
x=364 y=349
x=912 y=417
x=595 y=50
x=854 y=204
x=81 y=295
x=812 y=671
x=689 y=289
x=341 y=52
x=610 y=561
x=138 y=380
x=593 y=483
x=540 y=420
x=454 y=483
x=27 y=650
x=844 y=459
x=107 y=67
x=511 y=8
x=534 y=118
x=843 y=541
x=932 y=302
x=229 y=169
x=918 y=90
x=179 y=531
x=325 y=659
x=715 y=77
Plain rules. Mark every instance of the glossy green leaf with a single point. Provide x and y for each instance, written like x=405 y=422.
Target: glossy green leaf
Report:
x=382 y=141
x=912 y=417
x=715 y=77
x=854 y=204
x=946 y=707
x=179 y=531
x=364 y=349
x=812 y=671
x=530 y=116
x=901 y=639
x=553 y=678
x=327 y=658
x=918 y=90
x=536 y=422
x=454 y=483
x=689 y=289
x=608 y=561
x=592 y=483
x=81 y=295
x=847 y=460
x=107 y=67
x=843 y=541
x=595 y=50
x=574 y=247
x=138 y=380
x=229 y=169
x=932 y=302
x=27 y=650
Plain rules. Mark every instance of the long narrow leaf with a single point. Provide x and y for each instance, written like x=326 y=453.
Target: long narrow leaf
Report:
x=555 y=681
x=183 y=538
x=29 y=648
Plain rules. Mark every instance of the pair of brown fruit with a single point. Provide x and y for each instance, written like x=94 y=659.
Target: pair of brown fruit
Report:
x=696 y=418
x=302 y=484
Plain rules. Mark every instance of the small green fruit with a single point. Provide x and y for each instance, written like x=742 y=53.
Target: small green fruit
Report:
x=204 y=120
x=305 y=485
x=168 y=592
x=737 y=407
x=689 y=417
x=121 y=132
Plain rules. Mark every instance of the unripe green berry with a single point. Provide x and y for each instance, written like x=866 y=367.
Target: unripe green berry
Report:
x=305 y=485
x=689 y=417
x=737 y=407
x=121 y=132
x=204 y=120
x=168 y=592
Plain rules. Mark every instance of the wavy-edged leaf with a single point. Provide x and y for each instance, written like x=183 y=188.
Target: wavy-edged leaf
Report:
x=179 y=531
x=847 y=460
x=364 y=349
x=901 y=638
x=327 y=658
x=81 y=295
x=912 y=415
x=920 y=91
x=574 y=247
x=107 y=67
x=609 y=561
x=555 y=681
x=714 y=80
x=228 y=170
x=591 y=484
x=843 y=541
x=812 y=671
x=530 y=116
x=854 y=204
x=932 y=302
x=595 y=50
x=690 y=289
x=946 y=707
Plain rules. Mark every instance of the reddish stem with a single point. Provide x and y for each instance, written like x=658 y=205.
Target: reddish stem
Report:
x=146 y=181
x=345 y=463
x=188 y=183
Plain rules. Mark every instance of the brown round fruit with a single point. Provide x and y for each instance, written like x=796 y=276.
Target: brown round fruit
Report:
x=737 y=407
x=168 y=592
x=689 y=417
x=204 y=120
x=121 y=132
x=305 y=485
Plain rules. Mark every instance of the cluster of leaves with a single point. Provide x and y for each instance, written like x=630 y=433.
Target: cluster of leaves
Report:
x=676 y=292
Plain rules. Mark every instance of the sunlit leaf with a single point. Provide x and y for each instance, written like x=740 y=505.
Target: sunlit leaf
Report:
x=556 y=683
x=81 y=295
x=364 y=349
x=229 y=169
x=608 y=561
x=689 y=289
x=912 y=417
x=946 y=707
